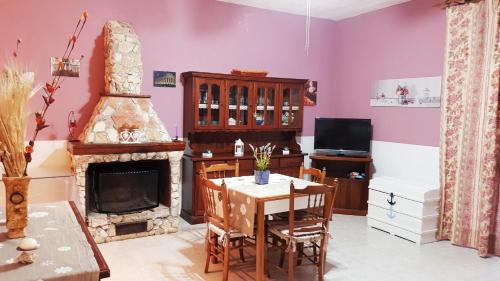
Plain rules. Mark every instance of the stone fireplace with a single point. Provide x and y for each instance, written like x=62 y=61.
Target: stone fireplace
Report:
x=126 y=189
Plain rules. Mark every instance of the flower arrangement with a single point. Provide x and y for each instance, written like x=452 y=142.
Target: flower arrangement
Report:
x=402 y=91
x=262 y=155
x=15 y=91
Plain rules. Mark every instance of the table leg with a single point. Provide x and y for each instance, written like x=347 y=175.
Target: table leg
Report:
x=260 y=243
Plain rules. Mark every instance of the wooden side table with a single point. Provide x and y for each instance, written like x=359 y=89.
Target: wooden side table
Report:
x=104 y=271
x=352 y=194
x=67 y=250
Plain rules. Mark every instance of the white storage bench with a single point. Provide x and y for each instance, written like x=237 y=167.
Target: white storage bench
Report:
x=404 y=209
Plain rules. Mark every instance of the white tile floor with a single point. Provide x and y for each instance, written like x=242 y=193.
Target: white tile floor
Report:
x=355 y=253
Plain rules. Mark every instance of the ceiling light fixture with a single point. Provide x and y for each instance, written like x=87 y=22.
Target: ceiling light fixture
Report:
x=308 y=24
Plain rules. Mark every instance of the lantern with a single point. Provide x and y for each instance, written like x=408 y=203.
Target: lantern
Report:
x=238 y=148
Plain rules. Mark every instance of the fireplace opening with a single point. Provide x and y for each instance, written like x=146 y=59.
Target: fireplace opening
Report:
x=118 y=187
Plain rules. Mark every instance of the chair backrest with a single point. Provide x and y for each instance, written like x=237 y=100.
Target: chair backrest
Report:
x=317 y=175
x=217 y=171
x=216 y=203
x=320 y=200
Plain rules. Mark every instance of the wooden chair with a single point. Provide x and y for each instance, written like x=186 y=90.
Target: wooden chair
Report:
x=217 y=171
x=317 y=175
x=308 y=232
x=217 y=209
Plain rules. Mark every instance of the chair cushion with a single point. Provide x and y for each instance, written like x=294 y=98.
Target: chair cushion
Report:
x=300 y=233
x=233 y=233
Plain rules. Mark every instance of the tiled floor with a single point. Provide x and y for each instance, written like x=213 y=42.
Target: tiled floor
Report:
x=355 y=253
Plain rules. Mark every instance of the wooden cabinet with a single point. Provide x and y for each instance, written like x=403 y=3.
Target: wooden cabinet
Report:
x=265 y=99
x=352 y=194
x=291 y=104
x=236 y=103
x=221 y=108
x=209 y=113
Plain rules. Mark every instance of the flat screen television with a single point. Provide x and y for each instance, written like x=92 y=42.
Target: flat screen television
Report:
x=342 y=136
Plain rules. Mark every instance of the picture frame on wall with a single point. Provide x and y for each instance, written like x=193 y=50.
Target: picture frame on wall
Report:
x=70 y=67
x=164 y=79
x=407 y=92
x=311 y=93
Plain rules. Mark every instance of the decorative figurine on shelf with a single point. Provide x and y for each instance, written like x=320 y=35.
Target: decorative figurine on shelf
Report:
x=207 y=154
x=239 y=148
x=71 y=125
x=284 y=118
x=286 y=150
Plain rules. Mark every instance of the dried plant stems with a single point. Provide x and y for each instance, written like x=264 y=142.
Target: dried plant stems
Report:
x=51 y=88
x=16 y=89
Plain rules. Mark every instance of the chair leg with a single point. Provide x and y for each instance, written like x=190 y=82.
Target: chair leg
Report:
x=242 y=243
x=208 y=249
x=321 y=265
x=226 y=262
x=290 y=264
x=300 y=250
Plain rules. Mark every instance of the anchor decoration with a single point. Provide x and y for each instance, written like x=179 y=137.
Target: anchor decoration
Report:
x=391 y=202
x=391 y=214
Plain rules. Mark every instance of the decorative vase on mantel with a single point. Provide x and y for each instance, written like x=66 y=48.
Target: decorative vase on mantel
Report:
x=16 y=191
x=261 y=177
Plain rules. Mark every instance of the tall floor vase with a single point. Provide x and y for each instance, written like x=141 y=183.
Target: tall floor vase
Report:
x=16 y=191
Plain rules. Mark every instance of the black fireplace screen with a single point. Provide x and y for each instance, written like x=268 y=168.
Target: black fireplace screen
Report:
x=124 y=187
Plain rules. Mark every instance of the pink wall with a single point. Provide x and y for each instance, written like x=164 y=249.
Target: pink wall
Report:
x=402 y=41
x=177 y=35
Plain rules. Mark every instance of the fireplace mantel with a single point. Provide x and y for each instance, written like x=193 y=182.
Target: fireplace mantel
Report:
x=78 y=148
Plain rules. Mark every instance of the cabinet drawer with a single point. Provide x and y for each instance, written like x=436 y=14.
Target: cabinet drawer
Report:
x=291 y=162
x=244 y=164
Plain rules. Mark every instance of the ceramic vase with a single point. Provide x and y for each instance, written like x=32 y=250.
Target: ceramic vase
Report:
x=16 y=191
x=261 y=177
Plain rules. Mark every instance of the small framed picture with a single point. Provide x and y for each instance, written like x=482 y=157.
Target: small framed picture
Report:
x=311 y=92
x=164 y=79
x=65 y=67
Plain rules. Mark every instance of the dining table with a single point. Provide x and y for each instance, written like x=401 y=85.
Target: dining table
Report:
x=248 y=198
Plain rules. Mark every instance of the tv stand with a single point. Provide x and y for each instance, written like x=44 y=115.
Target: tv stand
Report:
x=352 y=194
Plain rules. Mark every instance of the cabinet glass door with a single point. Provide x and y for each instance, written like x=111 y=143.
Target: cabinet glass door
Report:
x=265 y=105
x=208 y=104
x=291 y=106
x=238 y=97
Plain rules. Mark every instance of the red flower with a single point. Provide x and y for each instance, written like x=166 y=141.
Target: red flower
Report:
x=51 y=89
x=28 y=149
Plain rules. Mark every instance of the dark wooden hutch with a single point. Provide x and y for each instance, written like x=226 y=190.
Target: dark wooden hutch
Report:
x=221 y=108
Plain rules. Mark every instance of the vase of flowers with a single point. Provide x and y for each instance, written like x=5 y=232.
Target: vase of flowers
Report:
x=16 y=89
x=402 y=93
x=262 y=157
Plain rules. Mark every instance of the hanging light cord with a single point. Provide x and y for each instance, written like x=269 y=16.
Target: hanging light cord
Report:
x=308 y=24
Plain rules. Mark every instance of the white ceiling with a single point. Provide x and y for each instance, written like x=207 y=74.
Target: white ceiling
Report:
x=326 y=9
